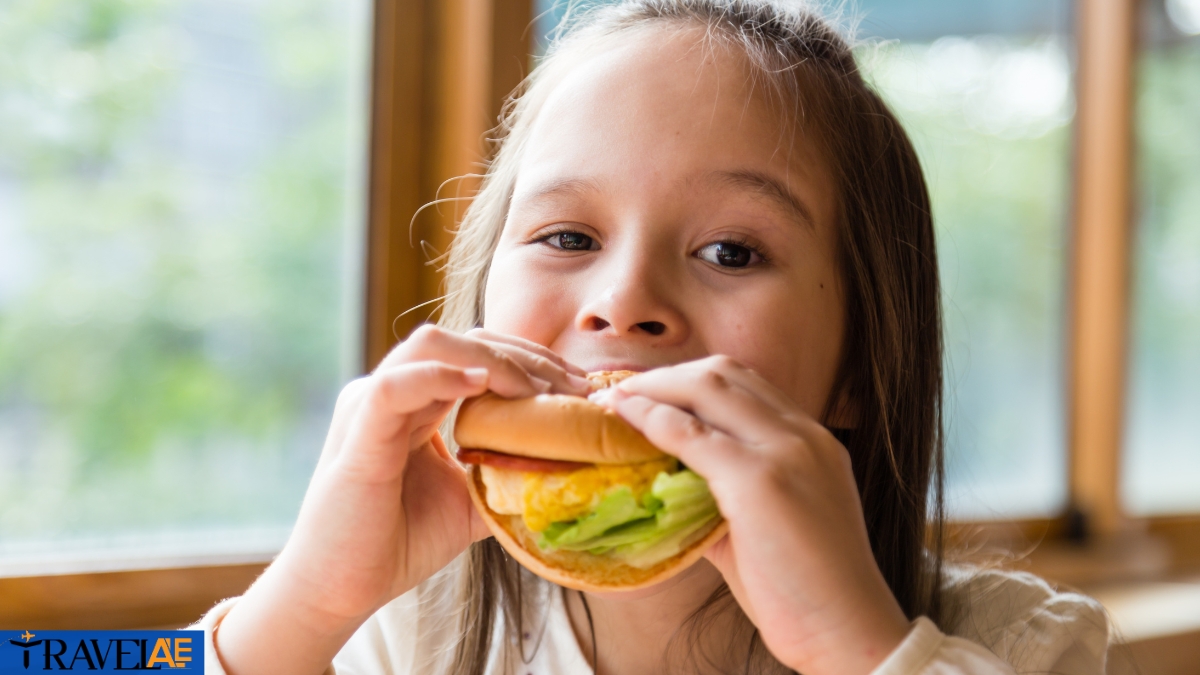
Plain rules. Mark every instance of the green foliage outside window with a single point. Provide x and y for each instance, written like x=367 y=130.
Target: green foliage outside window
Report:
x=178 y=185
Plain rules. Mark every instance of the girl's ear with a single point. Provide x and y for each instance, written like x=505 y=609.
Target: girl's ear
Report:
x=844 y=413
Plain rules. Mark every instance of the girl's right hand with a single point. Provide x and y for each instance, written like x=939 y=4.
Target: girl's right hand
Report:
x=387 y=506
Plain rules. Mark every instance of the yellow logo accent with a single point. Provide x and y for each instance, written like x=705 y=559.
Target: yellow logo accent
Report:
x=27 y=636
x=161 y=654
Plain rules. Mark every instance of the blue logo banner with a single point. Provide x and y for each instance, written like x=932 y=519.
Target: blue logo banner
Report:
x=101 y=651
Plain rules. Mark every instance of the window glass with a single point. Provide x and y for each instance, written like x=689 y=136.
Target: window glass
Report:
x=181 y=196
x=1162 y=459
x=985 y=91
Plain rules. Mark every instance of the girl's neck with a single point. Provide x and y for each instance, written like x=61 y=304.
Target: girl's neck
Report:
x=633 y=631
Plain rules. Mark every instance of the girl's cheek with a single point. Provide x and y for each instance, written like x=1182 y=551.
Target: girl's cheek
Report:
x=524 y=300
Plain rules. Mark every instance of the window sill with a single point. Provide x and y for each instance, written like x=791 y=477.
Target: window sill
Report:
x=1157 y=624
x=143 y=598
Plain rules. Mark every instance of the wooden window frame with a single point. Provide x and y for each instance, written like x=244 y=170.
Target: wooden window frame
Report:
x=440 y=71
x=1096 y=540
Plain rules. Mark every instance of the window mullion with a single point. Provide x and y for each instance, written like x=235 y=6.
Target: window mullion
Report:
x=1101 y=250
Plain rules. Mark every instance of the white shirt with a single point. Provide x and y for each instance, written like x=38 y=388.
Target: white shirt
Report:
x=1001 y=623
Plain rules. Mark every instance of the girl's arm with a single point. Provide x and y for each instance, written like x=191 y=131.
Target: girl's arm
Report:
x=387 y=506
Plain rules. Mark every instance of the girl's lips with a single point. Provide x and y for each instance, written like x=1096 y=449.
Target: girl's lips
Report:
x=595 y=368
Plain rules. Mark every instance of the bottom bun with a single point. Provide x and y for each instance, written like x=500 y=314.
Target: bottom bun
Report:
x=580 y=570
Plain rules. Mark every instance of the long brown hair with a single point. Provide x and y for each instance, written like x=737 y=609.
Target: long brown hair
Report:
x=891 y=372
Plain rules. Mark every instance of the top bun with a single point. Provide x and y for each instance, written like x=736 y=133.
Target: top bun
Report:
x=554 y=426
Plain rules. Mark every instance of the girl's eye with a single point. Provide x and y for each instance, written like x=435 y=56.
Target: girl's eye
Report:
x=571 y=241
x=729 y=254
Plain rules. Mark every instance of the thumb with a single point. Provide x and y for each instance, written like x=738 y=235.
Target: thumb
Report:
x=477 y=529
x=721 y=556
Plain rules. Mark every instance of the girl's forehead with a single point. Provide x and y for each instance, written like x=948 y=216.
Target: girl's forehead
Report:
x=664 y=108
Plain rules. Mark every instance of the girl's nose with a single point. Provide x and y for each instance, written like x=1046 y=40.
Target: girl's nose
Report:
x=634 y=304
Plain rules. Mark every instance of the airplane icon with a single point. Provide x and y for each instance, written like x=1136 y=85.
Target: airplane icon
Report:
x=27 y=636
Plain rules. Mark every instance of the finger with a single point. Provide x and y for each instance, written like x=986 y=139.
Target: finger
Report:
x=735 y=372
x=704 y=448
x=478 y=528
x=424 y=423
x=384 y=418
x=431 y=343
x=543 y=368
x=527 y=345
x=714 y=398
x=348 y=401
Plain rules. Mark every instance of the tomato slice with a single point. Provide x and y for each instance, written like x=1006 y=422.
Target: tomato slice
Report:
x=502 y=460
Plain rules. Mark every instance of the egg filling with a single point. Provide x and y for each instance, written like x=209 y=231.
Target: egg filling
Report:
x=542 y=499
x=639 y=514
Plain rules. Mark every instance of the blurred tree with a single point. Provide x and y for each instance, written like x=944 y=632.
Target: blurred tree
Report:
x=1162 y=458
x=177 y=180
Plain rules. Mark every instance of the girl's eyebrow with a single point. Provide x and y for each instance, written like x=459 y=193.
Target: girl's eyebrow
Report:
x=573 y=187
x=770 y=188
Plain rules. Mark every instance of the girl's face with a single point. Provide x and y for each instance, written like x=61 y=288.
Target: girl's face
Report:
x=663 y=213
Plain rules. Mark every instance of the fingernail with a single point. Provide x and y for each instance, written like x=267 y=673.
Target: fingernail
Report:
x=572 y=368
x=475 y=376
x=539 y=384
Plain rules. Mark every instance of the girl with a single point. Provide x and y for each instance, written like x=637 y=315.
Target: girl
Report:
x=705 y=190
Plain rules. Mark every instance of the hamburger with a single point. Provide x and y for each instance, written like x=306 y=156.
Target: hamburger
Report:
x=578 y=496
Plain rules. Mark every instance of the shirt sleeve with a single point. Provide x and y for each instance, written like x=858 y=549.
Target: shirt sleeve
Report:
x=928 y=651
x=1030 y=625
x=1008 y=623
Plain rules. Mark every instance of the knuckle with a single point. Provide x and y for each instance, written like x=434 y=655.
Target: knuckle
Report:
x=351 y=392
x=504 y=359
x=425 y=334
x=353 y=387
x=542 y=363
x=692 y=428
x=379 y=390
x=713 y=379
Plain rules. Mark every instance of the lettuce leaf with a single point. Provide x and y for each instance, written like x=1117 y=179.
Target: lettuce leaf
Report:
x=617 y=508
x=677 y=509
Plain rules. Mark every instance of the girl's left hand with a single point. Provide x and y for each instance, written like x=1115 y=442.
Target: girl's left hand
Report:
x=797 y=557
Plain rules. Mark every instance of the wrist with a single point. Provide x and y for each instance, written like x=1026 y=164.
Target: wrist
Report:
x=273 y=628
x=857 y=646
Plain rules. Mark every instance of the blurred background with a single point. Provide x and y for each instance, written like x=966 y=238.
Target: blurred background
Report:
x=181 y=216
x=203 y=213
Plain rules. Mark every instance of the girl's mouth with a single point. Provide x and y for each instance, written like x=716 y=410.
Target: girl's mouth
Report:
x=614 y=366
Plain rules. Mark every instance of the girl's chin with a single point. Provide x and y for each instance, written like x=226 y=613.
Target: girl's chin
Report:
x=701 y=577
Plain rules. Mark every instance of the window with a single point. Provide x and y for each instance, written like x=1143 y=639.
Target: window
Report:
x=1162 y=460
x=985 y=91
x=181 y=192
